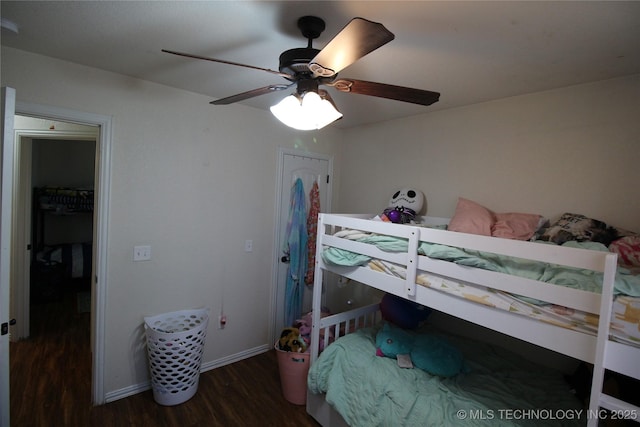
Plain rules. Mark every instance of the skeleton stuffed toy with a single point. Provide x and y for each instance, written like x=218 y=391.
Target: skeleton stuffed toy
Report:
x=404 y=205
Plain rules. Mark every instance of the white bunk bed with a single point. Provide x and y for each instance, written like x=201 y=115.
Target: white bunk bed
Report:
x=597 y=349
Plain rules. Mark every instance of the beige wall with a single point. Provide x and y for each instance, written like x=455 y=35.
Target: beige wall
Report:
x=575 y=149
x=191 y=180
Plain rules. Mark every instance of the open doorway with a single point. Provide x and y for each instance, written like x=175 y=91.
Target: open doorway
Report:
x=52 y=290
x=62 y=230
x=55 y=222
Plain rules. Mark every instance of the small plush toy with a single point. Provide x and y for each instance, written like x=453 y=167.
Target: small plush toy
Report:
x=290 y=340
x=403 y=313
x=404 y=205
x=304 y=324
x=430 y=353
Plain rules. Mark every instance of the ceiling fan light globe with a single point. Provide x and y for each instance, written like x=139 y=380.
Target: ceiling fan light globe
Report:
x=308 y=112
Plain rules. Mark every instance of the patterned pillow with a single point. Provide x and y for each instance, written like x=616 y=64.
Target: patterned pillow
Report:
x=628 y=250
x=579 y=228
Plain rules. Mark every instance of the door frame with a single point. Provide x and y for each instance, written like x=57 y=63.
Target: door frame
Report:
x=7 y=100
x=20 y=301
x=101 y=225
x=277 y=247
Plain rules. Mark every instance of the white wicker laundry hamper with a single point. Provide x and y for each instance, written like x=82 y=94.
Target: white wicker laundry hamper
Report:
x=175 y=343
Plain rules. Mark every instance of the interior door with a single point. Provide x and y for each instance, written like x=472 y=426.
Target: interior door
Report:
x=310 y=168
x=8 y=111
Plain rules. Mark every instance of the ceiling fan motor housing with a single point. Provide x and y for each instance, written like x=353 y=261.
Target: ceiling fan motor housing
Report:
x=296 y=61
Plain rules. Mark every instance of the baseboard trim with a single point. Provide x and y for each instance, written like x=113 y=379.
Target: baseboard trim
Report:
x=134 y=389
x=207 y=366
x=112 y=396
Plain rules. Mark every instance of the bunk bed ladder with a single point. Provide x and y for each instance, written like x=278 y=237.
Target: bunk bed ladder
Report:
x=604 y=358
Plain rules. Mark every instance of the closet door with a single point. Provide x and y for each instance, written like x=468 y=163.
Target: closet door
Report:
x=310 y=168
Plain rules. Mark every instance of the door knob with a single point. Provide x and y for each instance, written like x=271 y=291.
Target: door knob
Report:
x=285 y=259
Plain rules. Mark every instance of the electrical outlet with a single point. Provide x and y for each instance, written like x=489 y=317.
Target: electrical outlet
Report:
x=248 y=245
x=141 y=253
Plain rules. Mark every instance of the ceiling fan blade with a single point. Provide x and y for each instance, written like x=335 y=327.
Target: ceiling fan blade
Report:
x=189 y=55
x=358 y=38
x=250 y=94
x=382 y=90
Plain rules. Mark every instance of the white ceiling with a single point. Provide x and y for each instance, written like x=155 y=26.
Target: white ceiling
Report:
x=469 y=51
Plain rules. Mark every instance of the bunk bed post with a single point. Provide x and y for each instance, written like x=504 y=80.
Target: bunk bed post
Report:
x=598 y=398
x=317 y=292
x=597 y=379
x=412 y=261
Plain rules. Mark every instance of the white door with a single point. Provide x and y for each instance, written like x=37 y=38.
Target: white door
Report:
x=8 y=111
x=310 y=168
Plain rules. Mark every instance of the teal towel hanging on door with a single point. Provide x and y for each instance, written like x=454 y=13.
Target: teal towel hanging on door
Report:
x=296 y=249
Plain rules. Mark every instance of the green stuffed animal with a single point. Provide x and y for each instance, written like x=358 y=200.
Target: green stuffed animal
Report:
x=428 y=352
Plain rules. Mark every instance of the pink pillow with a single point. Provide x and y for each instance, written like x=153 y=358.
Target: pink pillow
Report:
x=519 y=226
x=471 y=217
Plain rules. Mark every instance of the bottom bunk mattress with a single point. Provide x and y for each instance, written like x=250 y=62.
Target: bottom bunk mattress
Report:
x=497 y=388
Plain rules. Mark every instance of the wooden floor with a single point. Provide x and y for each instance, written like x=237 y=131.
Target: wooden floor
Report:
x=51 y=385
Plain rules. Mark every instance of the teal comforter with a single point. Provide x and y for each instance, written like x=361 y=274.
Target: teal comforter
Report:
x=625 y=283
x=499 y=389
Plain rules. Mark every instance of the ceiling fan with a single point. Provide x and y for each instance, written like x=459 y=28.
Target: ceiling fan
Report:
x=308 y=68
